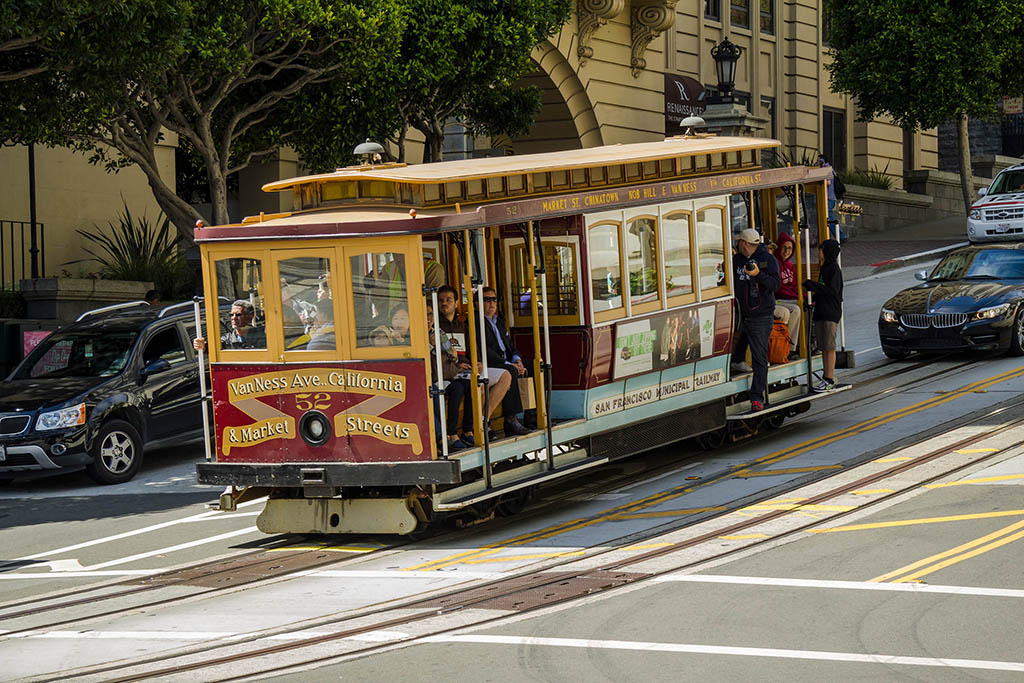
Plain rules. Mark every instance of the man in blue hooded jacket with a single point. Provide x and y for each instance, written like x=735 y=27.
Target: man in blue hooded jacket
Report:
x=756 y=277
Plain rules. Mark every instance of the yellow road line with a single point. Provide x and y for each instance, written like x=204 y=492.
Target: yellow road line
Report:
x=868 y=492
x=797 y=506
x=922 y=520
x=791 y=470
x=515 y=558
x=666 y=513
x=966 y=556
x=647 y=546
x=743 y=537
x=971 y=451
x=947 y=554
x=900 y=459
x=329 y=549
x=664 y=496
x=981 y=480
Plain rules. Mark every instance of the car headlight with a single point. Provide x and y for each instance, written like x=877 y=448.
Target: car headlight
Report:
x=61 y=419
x=888 y=315
x=975 y=214
x=992 y=312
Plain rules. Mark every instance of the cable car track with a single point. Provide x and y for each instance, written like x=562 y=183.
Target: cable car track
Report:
x=615 y=572
x=230 y=567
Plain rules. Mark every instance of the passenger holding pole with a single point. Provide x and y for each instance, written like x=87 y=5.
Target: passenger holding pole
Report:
x=756 y=273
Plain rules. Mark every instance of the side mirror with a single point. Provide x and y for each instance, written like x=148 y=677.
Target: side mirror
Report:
x=155 y=367
x=921 y=275
x=982 y=191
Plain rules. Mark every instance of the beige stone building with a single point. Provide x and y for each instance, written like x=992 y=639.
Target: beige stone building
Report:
x=614 y=74
x=604 y=79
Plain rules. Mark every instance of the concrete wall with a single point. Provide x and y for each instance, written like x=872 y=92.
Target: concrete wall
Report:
x=72 y=194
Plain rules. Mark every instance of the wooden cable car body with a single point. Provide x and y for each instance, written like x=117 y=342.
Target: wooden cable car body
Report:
x=615 y=263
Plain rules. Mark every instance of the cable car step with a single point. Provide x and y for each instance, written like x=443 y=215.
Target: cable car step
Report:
x=455 y=499
x=744 y=412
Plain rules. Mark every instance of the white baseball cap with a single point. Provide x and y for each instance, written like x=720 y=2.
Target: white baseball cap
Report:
x=750 y=236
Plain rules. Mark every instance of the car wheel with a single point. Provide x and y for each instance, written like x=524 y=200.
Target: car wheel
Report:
x=894 y=353
x=116 y=453
x=1017 y=333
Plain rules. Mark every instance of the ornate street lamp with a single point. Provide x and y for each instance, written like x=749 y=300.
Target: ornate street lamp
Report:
x=725 y=54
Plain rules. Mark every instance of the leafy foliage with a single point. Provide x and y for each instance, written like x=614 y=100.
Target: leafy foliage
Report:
x=923 y=61
x=222 y=77
x=876 y=178
x=462 y=60
x=143 y=250
x=12 y=303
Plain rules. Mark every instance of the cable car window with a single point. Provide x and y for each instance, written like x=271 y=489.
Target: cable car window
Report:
x=307 y=318
x=642 y=255
x=240 y=280
x=563 y=291
x=380 y=303
x=605 y=273
x=711 y=247
x=675 y=231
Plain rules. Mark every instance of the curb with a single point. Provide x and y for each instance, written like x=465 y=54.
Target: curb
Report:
x=910 y=259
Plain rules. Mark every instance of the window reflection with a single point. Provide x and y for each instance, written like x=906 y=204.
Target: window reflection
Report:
x=675 y=229
x=306 y=305
x=642 y=254
x=711 y=247
x=605 y=275
x=380 y=299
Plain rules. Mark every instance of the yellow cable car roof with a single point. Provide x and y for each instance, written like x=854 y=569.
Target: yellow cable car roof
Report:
x=469 y=169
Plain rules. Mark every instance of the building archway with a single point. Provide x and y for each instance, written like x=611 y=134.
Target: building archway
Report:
x=567 y=119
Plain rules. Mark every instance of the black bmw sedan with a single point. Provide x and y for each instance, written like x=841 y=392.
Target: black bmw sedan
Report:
x=972 y=300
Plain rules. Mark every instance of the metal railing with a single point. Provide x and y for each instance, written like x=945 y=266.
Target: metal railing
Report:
x=16 y=252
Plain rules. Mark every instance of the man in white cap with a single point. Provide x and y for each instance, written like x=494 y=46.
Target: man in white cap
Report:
x=756 y=274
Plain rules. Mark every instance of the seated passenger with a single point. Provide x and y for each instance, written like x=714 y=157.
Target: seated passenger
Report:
x=400 y=326
x=243 y=334
x=502 y=354
x=321 y=336
x=380 y=336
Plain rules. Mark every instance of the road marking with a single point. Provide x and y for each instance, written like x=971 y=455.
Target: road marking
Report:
x=899 y=459
x=660 y=476
x=372 y=636
x=537 y=556
x=965 y=551
x=324 y=548
x=971 y=451
x=982 y=480
x=455 y=574
x=631 y=509
x=791 y=470
x=687 y=648
x=78 y=575
x=174 y=548
x=869 y=492
x=841 y=585
x=126 y=534
x=797 y=506
x=743 y=537
x=664 y=513
x=921 y=520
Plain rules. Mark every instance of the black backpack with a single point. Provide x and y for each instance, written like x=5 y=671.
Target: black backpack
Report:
x=838 y=187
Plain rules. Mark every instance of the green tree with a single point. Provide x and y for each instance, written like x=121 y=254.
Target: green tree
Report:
x=459 y=60
x=225 y=87
x=924 y=62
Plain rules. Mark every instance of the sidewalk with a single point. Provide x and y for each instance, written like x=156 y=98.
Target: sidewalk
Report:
x=875 y=252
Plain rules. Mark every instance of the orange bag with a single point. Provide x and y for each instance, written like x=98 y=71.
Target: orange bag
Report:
x=778 y=343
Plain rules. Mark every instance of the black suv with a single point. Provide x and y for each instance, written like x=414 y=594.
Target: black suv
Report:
x=97 y=393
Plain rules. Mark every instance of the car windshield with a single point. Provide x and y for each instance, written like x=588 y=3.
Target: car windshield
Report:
x=981 y=265
x=1008 y=181
x=67 y=354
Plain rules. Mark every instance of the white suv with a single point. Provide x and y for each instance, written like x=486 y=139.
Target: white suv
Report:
x=998 y=215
